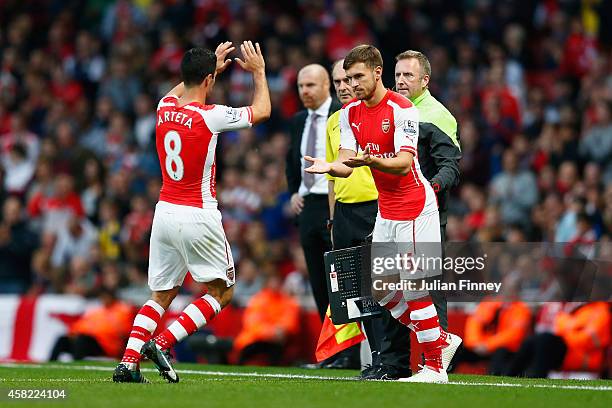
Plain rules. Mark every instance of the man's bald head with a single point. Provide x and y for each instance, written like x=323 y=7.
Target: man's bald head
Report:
x=313 y=85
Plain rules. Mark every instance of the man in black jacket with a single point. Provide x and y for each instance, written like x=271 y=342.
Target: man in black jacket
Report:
x=308 y=191
x=17 y=243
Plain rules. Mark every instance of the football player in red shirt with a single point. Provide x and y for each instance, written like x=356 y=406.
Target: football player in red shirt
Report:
x=187 y=234
x=380 y=129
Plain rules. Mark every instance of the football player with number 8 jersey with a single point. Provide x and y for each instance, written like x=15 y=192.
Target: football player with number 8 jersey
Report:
x=187 y=234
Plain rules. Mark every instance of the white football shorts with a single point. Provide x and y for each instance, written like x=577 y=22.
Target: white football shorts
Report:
x=185 y=238
x=419 y=240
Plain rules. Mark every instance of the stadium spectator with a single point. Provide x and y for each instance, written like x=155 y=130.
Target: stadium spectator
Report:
x=74 y=239
x=100 y=332
x=270 y=319
x=87 y=65
x=348 y=31
x=18 y=169
x=17 y=243
x=144 y=123
x=494 y=333
x=55 y=210
x=249 y=284
x=122 y=87
x=20 y=135
x=569 y=336
x=110 y=230
x=515 y=191
x=92 y=188
x=596 y=144
x=136 y=229
x=80 y=278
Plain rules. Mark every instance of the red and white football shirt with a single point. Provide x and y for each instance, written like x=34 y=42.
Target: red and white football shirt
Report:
x=390 y=127
x=186 y=138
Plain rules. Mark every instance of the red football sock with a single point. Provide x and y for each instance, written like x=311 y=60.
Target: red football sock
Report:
x=427 y=328
x=195 y=315
x=145 y=323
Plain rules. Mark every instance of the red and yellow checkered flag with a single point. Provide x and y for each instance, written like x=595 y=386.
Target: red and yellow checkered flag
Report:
x=335 y=338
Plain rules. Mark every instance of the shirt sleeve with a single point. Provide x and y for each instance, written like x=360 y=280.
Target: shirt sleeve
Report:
x=332 y=134
x=347 y=138
x=406 y=134
x=222 y=118
x=167 y=101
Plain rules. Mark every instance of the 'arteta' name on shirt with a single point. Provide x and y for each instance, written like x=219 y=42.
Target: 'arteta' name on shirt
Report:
x=176 y=117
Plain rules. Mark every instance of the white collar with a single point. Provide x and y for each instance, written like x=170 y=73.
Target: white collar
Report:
x=322 y=110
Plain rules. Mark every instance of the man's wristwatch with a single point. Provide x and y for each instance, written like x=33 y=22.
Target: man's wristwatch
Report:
x=329 y=223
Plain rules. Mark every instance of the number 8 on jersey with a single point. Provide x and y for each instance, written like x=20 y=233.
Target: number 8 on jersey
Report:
x=174 y=163
x=186 y=138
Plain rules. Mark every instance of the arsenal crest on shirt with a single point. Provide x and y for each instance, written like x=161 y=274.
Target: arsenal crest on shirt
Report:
x=230 y=273
x=386 y=125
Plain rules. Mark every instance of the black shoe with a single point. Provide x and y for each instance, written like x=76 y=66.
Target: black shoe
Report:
x=161 y=360
x=386 y=372
x=124 y=374
x=367 y=371
x=343 y=363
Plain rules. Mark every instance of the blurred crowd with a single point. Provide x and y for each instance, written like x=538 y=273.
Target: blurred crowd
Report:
x=530 y=83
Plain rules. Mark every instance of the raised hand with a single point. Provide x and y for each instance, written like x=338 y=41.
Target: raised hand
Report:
x=364 y=160
x=253 y=60
x=319 y=166
x=221 y=52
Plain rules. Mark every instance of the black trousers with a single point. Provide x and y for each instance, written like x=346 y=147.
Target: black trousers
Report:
x=353 y=222
x=80 y=346
x=316 y=240
x=394 y=337
x=537 y=356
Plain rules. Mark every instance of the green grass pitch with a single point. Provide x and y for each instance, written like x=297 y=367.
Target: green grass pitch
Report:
x=89 y=385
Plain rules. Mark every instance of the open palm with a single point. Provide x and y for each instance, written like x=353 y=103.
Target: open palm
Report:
x=319 y=166
x=221 y=52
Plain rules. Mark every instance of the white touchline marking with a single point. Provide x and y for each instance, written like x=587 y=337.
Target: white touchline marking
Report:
x=59 y=380
x=517 y=385
x=296 y=376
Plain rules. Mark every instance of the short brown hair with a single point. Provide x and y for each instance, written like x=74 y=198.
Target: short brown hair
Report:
x=368 y=54
x=419 y=56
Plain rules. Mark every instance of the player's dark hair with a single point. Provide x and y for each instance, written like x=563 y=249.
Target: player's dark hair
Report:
x=196 y=65
x=368 y=54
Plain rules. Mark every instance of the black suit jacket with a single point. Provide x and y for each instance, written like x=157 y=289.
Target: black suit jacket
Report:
x=293 y=168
